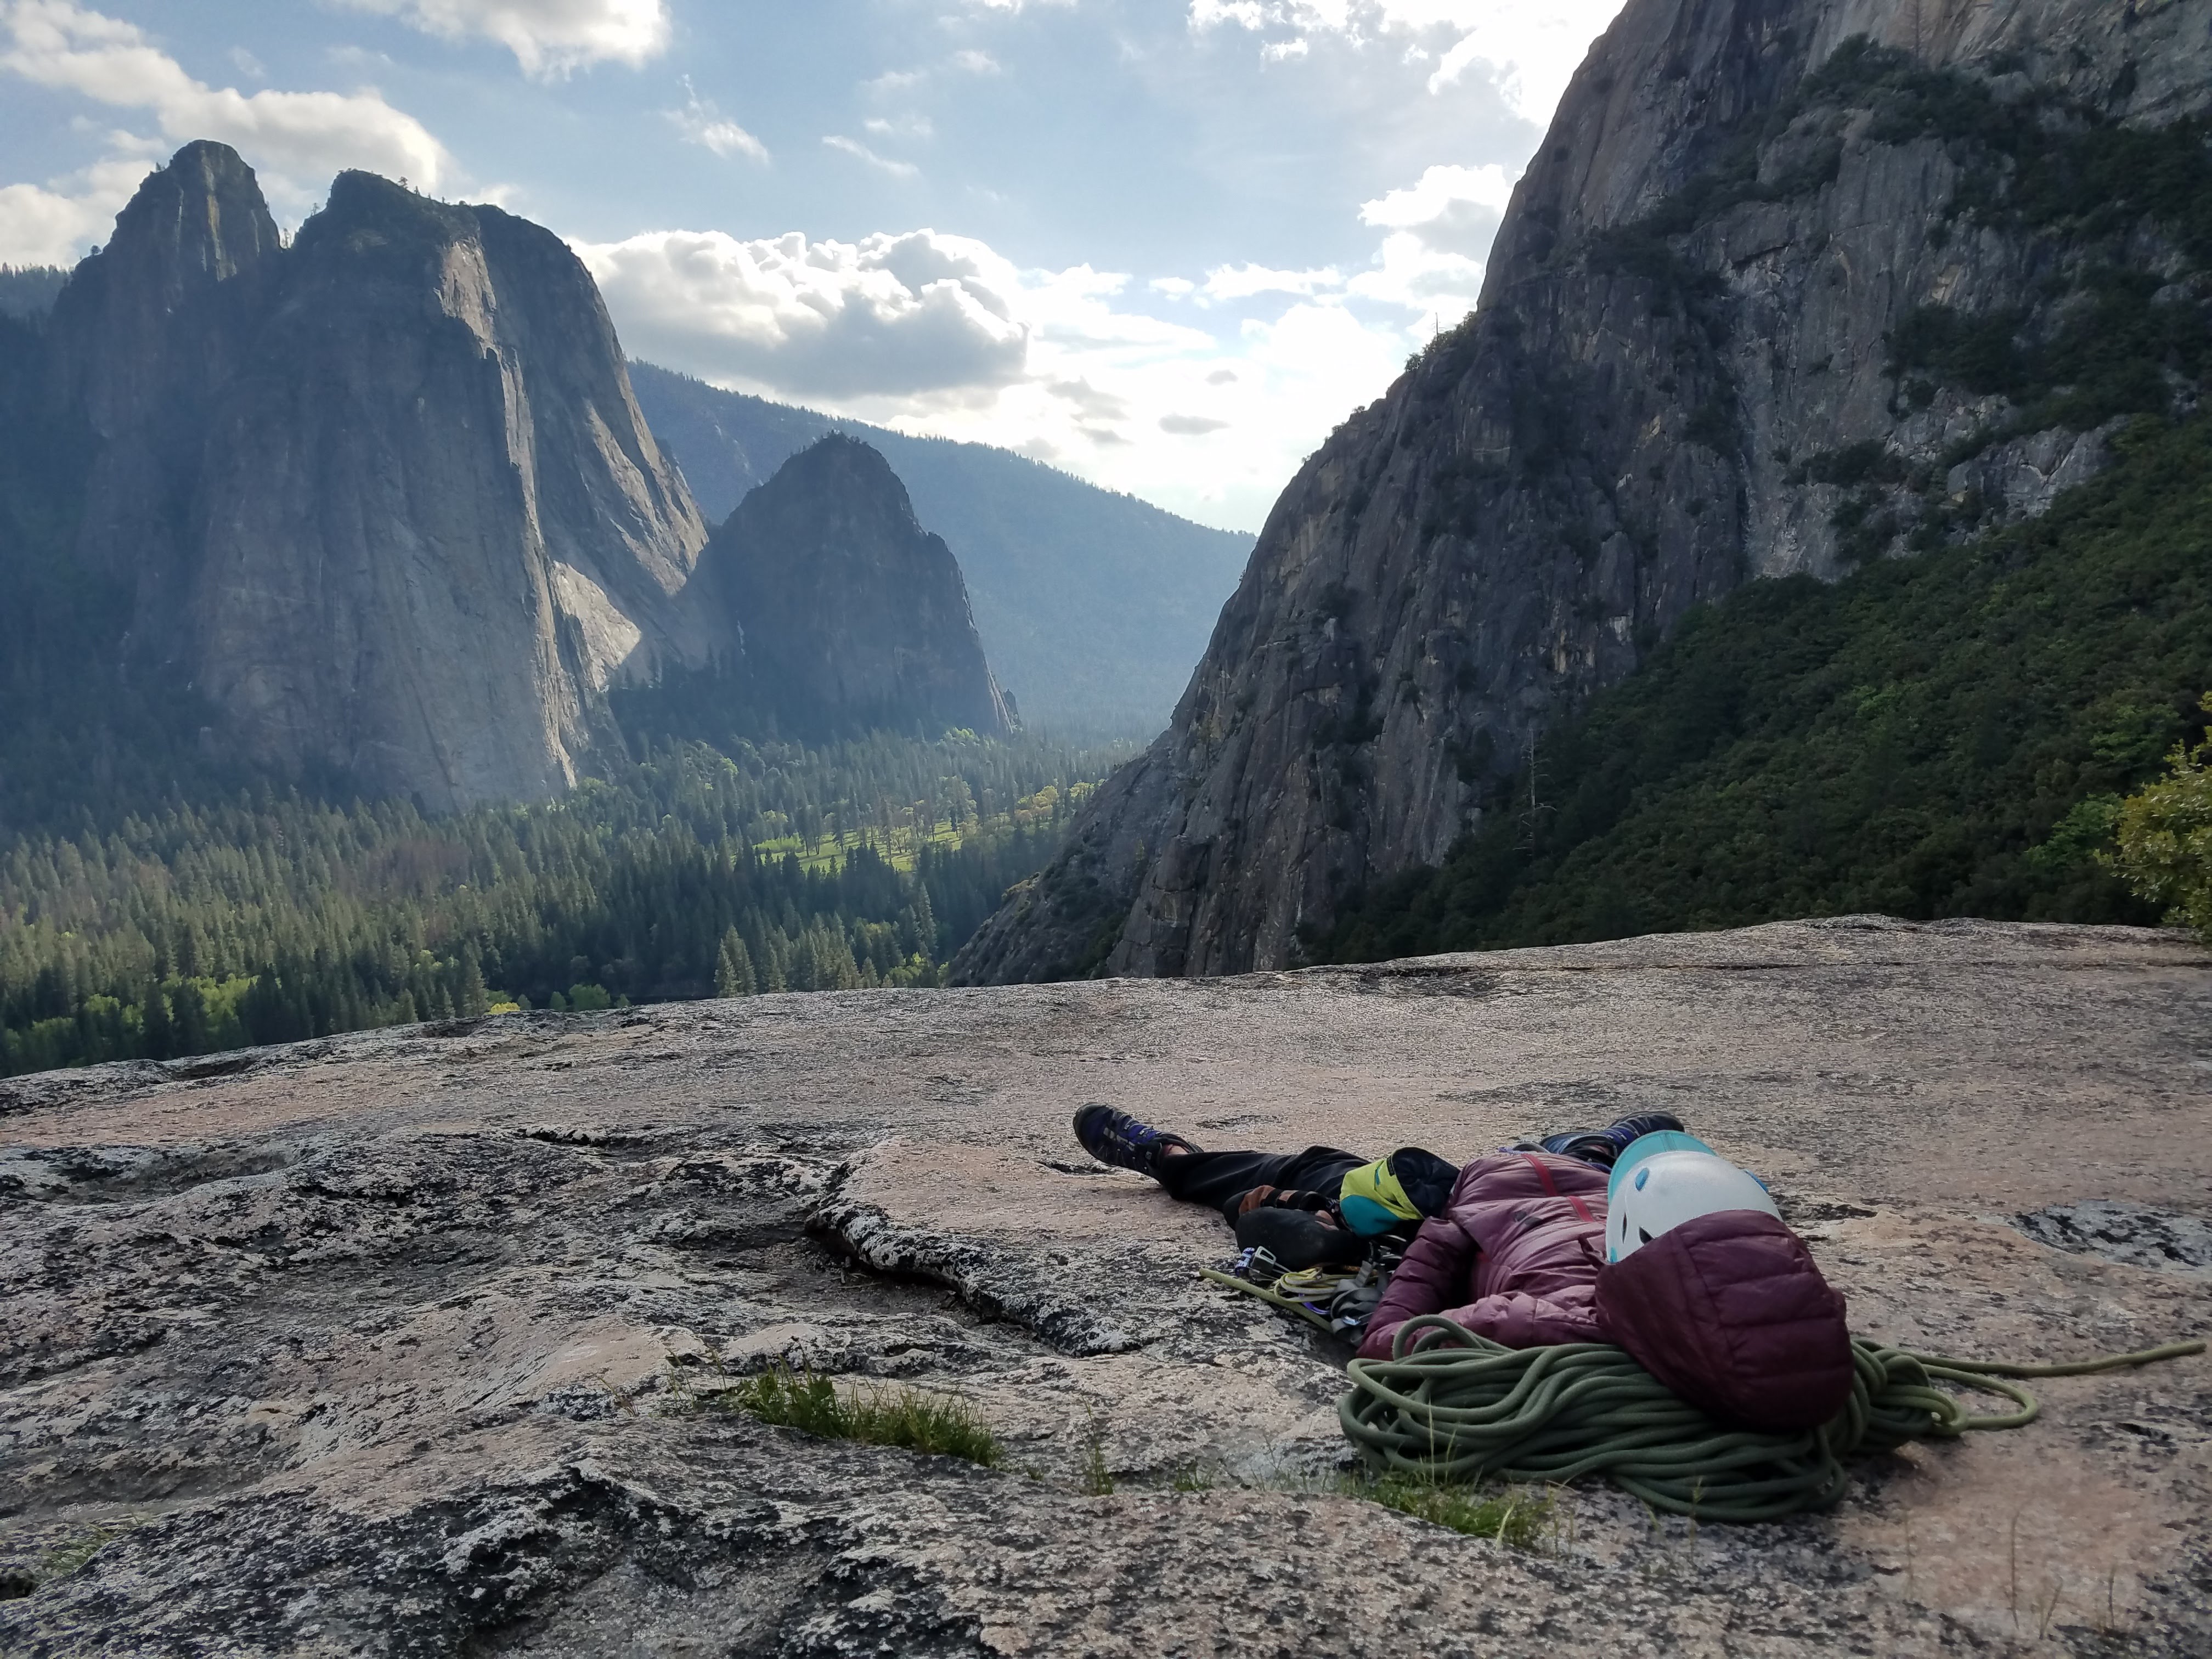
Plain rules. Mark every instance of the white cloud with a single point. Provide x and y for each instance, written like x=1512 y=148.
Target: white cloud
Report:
x=858 y=151
x=902 y=127
x=1242 y=282
x=1201 y=395
x=937 y=333
x=971 y=61
x=1089 y=401
x=1452 y=208
x=703 y=124
x=547 y=37
x=297 y=140
x=725 y=138
x=906 y=316
x=54 y=224
x=1532 y=52
x=1440 y=231
x=1529 y=51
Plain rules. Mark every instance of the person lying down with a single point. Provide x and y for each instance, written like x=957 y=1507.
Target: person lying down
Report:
x=1638 y=1234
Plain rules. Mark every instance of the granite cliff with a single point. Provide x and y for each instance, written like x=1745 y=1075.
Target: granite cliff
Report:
x=1791 y=284
x=387 y=503
x=379 y=503
x=853 y=616
x=1092 y=605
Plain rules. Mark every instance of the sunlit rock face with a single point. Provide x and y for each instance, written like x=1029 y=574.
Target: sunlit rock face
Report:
x=1684 y=375
x=389 y=504
x=428 y=1340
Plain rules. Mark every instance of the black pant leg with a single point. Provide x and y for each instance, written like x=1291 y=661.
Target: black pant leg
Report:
x=1214 y=1178
x=1318 y=1170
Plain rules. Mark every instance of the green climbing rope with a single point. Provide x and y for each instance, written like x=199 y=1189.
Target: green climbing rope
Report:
x=1451 y=1406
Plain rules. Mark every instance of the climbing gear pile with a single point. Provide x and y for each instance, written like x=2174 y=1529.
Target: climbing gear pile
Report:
x=1335 y=1299
x=1453 y=1406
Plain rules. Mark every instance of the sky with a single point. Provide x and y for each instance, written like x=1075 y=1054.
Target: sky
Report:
x=1165 y=244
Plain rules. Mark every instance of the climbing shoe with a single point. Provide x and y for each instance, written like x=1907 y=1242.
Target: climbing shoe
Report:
x=1118 y=1138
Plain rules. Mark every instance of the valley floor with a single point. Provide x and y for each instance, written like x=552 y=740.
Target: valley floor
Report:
x=413 y=1341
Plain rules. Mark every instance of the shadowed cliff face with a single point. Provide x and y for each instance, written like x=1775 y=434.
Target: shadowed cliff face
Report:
x=853 y=616
x=393 y=508
x=1689 y=369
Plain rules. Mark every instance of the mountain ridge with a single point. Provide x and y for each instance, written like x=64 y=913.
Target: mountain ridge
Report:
x=1092 y=604
x=377 y=508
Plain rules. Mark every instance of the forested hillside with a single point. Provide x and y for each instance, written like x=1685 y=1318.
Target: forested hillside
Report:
x=1093 y=606
x=1946 y=734
x=165 y=891
x=271 y=916
x=27 y=290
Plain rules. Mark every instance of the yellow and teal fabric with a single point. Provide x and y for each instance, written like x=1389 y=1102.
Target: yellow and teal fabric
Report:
x=1372 y=1200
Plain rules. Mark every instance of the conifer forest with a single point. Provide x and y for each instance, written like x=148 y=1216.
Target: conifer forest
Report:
x=269 y=915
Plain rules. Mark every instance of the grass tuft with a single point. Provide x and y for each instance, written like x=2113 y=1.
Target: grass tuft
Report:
x=906 y=1418
x=1518 y=1518
x=65 y=1558
x=1097 y=1479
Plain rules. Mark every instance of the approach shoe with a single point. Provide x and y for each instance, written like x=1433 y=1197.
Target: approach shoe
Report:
x=1118 y=1138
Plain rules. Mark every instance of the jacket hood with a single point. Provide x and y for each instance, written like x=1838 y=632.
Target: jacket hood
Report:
x=1730 y=1312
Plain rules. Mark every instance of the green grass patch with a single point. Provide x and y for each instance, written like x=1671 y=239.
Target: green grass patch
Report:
x=1520 y=1518
x=910 y=1418
x=72 y=1553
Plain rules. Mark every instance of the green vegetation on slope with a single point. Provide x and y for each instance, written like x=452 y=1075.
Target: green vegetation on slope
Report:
x=1941 y=735
x=2165 y=837
x=268 y=917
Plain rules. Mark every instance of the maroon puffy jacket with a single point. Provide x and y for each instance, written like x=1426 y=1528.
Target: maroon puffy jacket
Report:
x=1729 y=1311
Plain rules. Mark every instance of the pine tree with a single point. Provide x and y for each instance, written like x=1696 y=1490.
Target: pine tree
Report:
x=733 y=974
x=157 y=1036
x=475 y=997
x=192 y=1021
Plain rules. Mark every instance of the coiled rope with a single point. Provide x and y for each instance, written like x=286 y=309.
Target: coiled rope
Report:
x=1451 y=1407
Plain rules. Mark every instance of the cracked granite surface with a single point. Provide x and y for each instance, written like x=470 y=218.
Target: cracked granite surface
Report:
x=414 y=1342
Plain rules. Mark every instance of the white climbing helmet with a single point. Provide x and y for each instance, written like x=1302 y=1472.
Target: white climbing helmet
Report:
x=1662 y=1180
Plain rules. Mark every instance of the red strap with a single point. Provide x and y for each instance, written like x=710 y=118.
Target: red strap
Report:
x=1553 y=1187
